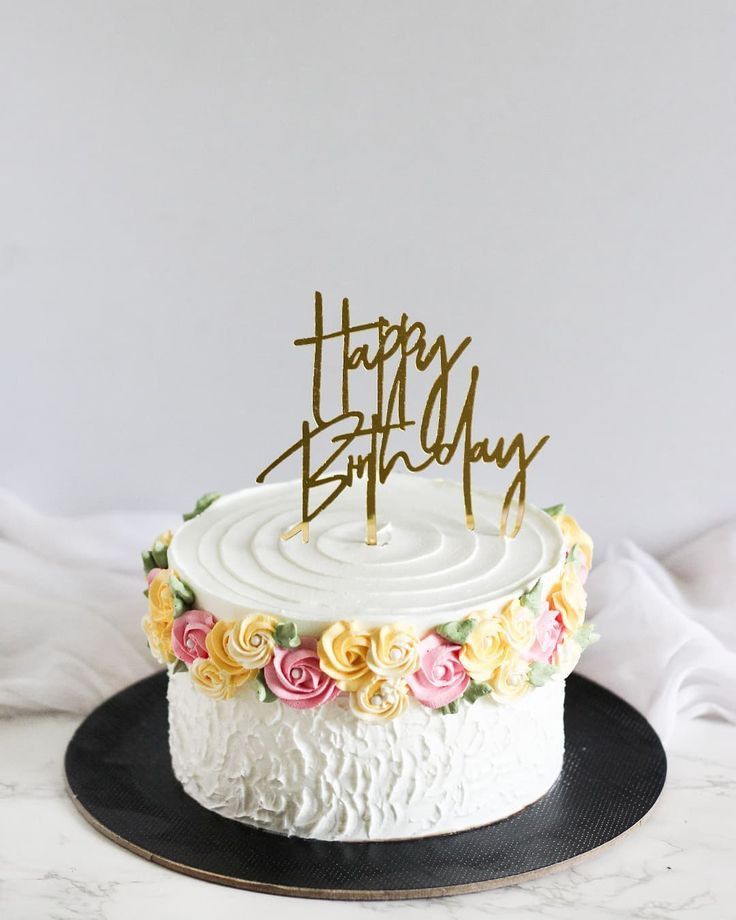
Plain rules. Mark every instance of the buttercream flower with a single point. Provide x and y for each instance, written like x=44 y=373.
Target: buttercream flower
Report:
x=380 y=700
x=393 y=652
x=342 y=650
x=548 y=629
x=160 y=598
x=441 y=678
x=484 y=649
x=509 y=682
x=153 y=574
x=210 y=680
x=295 y=677
x=217 y=643
x=574 y=535
x=158 y=635
x=517 y=624
x=158 y=621
x=251 y=641
x=566 y=656
x=568 y=597
x=189 y=633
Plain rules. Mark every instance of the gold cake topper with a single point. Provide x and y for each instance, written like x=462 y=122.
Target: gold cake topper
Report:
x=407 y=343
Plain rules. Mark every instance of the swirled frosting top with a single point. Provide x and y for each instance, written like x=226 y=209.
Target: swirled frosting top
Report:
x=428 y=567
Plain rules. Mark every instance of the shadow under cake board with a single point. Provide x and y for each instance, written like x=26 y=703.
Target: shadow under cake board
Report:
x=119 y=777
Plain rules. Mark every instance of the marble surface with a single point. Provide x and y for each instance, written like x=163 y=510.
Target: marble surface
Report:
x=679 y=864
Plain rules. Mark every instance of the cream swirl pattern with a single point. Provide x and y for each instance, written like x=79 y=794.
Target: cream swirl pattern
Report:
x=427 y=567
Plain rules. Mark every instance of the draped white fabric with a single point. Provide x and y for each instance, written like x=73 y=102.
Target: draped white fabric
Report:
x=71 y=603
x=668 y=629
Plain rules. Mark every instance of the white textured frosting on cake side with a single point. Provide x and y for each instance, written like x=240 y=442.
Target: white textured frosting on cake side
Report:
x=322 y=773
x=427 y=568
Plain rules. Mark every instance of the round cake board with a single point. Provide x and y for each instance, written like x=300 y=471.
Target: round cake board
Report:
x=119 y=776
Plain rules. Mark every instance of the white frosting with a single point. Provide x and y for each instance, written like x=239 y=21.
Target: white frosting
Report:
x=322 y=773
x=428 y=567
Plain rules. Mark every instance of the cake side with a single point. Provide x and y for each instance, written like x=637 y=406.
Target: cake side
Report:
x=325 y=775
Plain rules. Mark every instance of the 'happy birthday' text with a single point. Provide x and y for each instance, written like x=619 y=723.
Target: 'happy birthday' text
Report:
x=361 y=441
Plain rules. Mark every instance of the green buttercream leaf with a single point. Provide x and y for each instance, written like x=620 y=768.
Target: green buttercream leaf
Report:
x=181 y=589
x=203 y=503
x=160 y=554
x=145 y=593
x=149 y=562
x=179 y=666
x=475 y=691
x=533 y=598
x=457 y=631
x=287 y=635
x=586 y=635
x=179 y=607
x=263 y=692
x=540 y=673
x=554 y=510
x=450 y=709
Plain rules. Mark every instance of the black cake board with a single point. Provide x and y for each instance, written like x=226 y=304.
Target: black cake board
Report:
x=119 y=776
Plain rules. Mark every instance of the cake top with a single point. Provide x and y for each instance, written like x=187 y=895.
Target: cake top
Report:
x=427 y=564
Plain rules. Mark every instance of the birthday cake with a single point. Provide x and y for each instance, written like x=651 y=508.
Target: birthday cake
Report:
x=343 y=691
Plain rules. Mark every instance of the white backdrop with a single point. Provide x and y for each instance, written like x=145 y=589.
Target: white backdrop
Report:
x=556 y=179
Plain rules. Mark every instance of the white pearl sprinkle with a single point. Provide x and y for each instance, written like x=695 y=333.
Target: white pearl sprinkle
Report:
x=376 y=700
x=395 y=653
x=256 y=641
x=296 y=673
x=190 y=642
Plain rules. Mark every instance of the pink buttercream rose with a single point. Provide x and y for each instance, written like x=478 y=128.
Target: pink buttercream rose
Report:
x=441 y=678
x=294 y=676
x=188 y=634
x=549 y=630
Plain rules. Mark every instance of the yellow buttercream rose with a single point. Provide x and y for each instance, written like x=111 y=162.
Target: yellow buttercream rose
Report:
x=160 y=617
x=160 y=598
x=510 y=679
x=342 y=650
x=518 y=626
x=380 y=700
x=251 y=641
x=210 y=680
x=158 y=634
x=393 y=651
x=569 y=598
x=218 y=648
x=484 y=649
x=574 y=535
